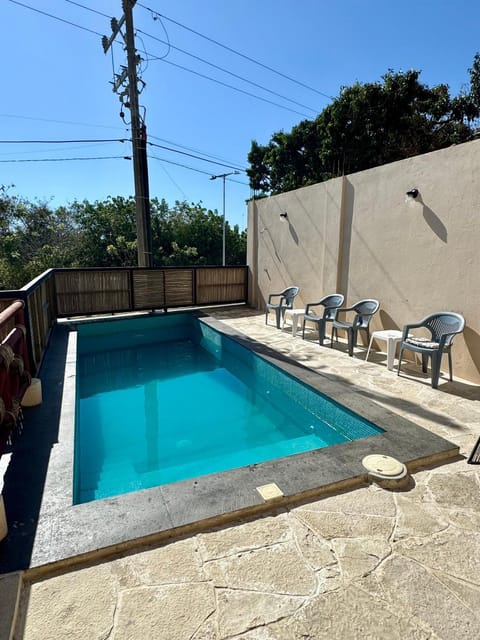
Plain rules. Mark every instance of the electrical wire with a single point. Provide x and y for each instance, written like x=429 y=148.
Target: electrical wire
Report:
x=184 y=166
x=88 y=124
x=81 y=124
x=230 y=73
x=229 y=86
x=16 y=2
x=69 y=159
x=153 y=144
x=238 y=53
x=38 y=151
x=50 y=15
x=89 y=9
x=144 y=68
x=167 y=42
x=191 y=155
x=159 y=17
x=178 y=164
x=181 y=146
x=60 y=141
x=163 y=59
x=175 y=184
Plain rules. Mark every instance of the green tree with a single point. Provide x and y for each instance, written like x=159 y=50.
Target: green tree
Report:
x=235 y=245
x=34 y=238
x=107 y=232
x=189 y=234
x=367 y=125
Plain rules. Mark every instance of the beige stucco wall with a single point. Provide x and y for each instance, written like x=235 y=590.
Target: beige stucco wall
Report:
x=359 y=236
x=300 y=249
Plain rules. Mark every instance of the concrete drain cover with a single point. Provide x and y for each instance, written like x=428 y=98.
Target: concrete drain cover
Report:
x=384 y=467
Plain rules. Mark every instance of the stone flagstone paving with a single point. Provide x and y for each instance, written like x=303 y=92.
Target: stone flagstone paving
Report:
x=369 y=563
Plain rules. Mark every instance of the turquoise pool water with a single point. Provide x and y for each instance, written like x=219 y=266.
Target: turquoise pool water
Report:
x=168 y=398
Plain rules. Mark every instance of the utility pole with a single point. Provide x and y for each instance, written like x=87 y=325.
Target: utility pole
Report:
x=129 y=98
x=223 y=176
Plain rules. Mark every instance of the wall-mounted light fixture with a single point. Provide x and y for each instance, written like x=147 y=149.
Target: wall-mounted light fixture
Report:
x=412 y=194
x=284 y=215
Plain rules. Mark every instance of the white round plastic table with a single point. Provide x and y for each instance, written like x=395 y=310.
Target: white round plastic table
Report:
x=392 y=337
x=294 y=314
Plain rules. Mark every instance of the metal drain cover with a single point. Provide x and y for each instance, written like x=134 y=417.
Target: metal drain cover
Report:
x=384 y=467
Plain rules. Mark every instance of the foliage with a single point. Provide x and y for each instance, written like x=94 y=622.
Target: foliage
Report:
x=367 y=125
x=189 y=234
x=35 y=237
x=107 y=235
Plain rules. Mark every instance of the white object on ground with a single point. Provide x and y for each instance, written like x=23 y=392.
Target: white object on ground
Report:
x=384 y=467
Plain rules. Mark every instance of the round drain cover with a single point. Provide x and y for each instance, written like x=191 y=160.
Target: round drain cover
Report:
x=384 y=466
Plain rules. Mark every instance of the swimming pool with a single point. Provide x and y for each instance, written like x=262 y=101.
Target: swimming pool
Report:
x=168 y=398
x=53 y=529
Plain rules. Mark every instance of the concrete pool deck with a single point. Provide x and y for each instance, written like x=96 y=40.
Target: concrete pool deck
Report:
x=389 y=563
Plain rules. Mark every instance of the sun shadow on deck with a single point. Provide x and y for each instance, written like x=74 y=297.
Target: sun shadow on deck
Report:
x=412 y=372
x=25 y=477
x=306 y=364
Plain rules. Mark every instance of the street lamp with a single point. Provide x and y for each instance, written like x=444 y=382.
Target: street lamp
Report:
x=224 y=175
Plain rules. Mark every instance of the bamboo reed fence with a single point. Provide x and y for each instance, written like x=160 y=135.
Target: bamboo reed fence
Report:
x=65 y=293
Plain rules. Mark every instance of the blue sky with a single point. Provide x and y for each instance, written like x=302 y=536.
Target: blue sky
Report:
x=56 y=84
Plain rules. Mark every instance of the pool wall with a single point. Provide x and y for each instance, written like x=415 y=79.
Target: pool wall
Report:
x=65 y=534
x=113 y=455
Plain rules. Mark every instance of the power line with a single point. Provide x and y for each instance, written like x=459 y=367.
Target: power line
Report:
x=105 y=15
x=88 y=124
x=60 y=141
x=238 y=53
x=184 y=166
x=69 y=159
x=108 y=140
x=185 y=197
x=50 y=15
x=215 y=66
x=182 y=146
x=229 y=86
x=82 y=124
x=43 y=150
x=170 y=46
x=252 y=95
x=191 y=155
x=178 y=164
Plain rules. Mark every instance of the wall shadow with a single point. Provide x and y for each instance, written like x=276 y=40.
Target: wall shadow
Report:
x=345 y=240
x=387 y=321
x=472 y=342
x=293 y=233
x=435 y=224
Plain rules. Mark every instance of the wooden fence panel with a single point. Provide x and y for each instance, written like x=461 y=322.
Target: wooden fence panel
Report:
x=42 y=314
x=179 y=290
x=148 y=289
x=216 y=286
x=84 y=292
x=38 y=331
x=87 y=292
